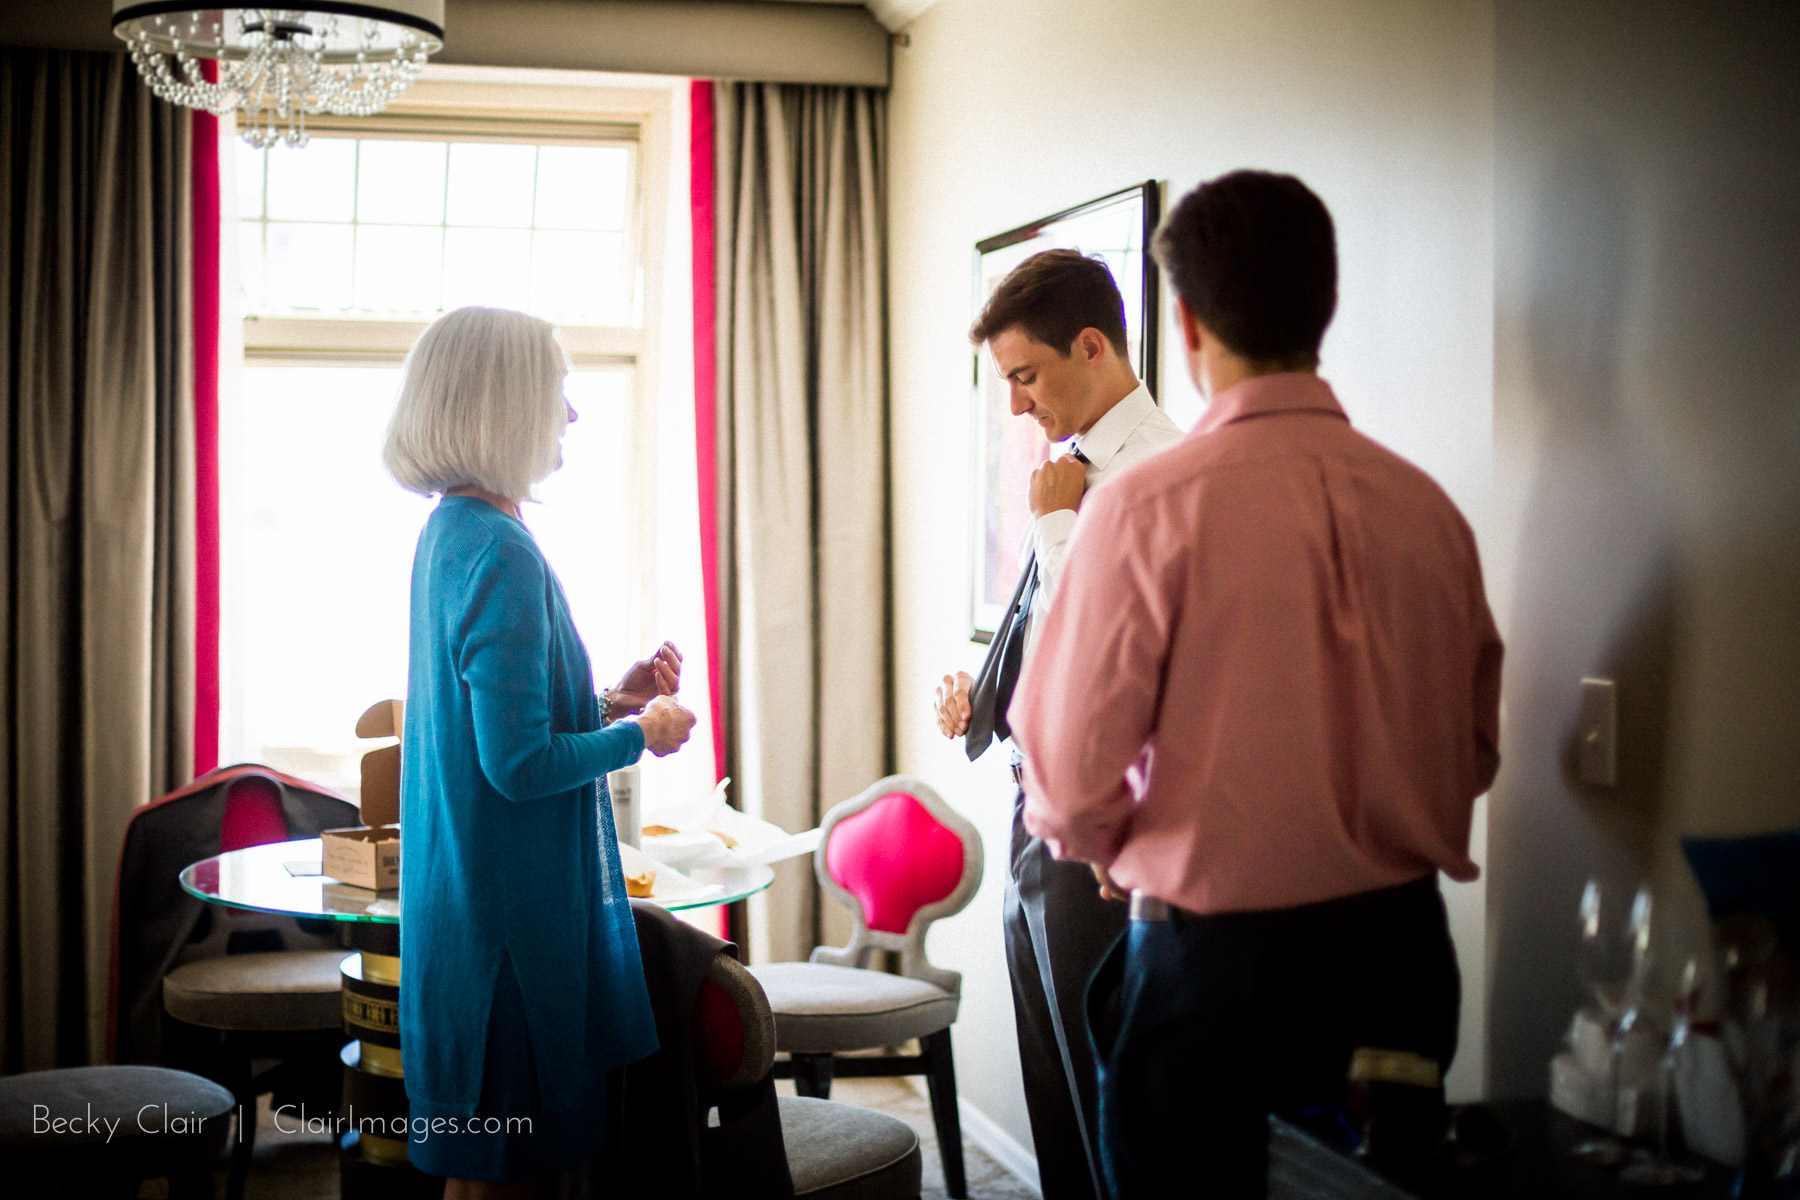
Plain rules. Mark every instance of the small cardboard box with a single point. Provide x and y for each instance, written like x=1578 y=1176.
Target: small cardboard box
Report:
x=364 y=855
x=368 y=855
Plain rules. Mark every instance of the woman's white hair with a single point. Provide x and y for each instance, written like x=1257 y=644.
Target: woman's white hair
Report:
x=481 y=403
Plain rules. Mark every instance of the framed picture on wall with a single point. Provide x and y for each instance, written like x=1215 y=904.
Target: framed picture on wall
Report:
x=1116 y=228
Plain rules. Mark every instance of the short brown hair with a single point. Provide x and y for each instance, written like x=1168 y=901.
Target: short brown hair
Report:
x=1253 y=255
x=1052 y=296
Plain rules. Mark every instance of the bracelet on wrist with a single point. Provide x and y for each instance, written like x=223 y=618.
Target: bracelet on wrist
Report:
x=606 y=712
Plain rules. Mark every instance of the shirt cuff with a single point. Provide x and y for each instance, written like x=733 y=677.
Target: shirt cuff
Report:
x=1054 y=528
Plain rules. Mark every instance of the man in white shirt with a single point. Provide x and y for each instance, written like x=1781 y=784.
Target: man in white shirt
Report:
x=1056 y=329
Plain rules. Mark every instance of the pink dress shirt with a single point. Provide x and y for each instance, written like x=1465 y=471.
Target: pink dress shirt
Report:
x=1271 y=676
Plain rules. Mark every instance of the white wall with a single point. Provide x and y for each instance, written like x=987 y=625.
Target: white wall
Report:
x=1002 y=112
x=1647 y=429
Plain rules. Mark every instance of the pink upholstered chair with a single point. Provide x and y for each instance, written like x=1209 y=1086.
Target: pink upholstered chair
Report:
x=898 y=857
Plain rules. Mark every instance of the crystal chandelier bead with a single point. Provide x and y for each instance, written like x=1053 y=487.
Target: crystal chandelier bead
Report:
x=277 y=65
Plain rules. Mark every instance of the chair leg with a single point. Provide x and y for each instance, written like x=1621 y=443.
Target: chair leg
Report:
x=940 y=1079
x=812 y=1075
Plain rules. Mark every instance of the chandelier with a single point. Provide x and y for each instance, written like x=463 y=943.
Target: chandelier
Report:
x=276 y=65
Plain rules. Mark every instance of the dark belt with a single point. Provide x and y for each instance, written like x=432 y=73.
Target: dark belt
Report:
x=1145 y=907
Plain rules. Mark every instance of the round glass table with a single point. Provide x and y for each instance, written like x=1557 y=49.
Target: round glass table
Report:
x=285 y=877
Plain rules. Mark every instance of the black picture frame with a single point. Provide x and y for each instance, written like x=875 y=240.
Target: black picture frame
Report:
x=1117 y=227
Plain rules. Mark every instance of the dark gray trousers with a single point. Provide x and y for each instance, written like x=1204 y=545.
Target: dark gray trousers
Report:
x=1058 y=930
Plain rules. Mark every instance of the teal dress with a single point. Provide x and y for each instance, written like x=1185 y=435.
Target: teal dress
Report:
x=522 y=982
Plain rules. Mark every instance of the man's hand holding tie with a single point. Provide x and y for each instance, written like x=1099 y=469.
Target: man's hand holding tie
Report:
x=1059 y=483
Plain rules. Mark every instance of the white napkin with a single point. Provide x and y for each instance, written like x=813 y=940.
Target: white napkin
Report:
x=695 y=842
x=669 y=886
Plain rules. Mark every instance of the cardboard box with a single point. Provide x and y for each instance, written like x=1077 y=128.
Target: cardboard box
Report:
x=381 y=768
x=368 y=855
x=364 y=855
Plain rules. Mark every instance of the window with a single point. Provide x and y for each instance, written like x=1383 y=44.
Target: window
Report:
x=547 y=195
x=382 y=228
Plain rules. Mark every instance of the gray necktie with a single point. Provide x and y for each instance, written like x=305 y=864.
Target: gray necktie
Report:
x=1006 y=654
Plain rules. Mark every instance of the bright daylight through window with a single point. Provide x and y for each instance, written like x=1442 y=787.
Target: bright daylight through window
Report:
x=345 y=250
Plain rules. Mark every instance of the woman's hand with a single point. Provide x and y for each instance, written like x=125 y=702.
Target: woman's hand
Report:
x=658 y=675
x=666 y=726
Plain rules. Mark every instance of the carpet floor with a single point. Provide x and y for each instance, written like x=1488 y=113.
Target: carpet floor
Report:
x=298 y=1165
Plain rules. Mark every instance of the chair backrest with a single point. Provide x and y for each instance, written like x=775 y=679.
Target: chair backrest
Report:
x=742 y=1151
x=253 y=815
x=734 y=1031
x=156 y=925
x=898 y=857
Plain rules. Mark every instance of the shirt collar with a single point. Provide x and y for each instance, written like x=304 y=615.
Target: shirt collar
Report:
x=1105 y=437
x=1261 y=395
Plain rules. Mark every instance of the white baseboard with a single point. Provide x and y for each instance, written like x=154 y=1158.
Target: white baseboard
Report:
x=999 y=1145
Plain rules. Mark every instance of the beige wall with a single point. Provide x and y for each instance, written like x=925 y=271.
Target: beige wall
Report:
x=1005 y=112
x=1647 y=499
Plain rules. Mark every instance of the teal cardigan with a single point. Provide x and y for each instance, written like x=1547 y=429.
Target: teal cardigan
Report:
x=508 y=847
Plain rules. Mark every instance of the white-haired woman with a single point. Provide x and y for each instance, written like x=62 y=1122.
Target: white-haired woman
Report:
x=524 y=986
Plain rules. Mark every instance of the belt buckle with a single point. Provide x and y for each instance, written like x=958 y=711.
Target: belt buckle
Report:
x=1145 y=907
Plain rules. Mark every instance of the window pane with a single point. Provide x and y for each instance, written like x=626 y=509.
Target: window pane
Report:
x=315 y=183
x=320 y=575
x=398 y=269
x=309 y=267
x=400 y=183
x=577 y=275
x=250 y=264
x=582 y=187
x=582 y=525
x=487 y=266
x=249 y=165
x=491 y=185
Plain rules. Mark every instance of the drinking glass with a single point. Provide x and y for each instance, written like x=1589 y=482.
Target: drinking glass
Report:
x=1603 y=963
x=1663 y=1170
x=1636 y=1017
x=1761 y=1032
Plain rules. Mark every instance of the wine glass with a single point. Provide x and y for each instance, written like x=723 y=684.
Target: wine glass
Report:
x=1602 y=961
x=1662 y=1170
x=1604 y=968
x=1760 y=1026
x=1635 y=1018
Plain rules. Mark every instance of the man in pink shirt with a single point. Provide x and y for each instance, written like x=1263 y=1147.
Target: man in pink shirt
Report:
x=1263 y=706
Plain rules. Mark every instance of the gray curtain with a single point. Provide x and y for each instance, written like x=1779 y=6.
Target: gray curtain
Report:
x=802 y=426
x=96 y=505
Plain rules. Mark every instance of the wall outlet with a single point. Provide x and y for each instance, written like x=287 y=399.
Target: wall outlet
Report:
x=1597 y=737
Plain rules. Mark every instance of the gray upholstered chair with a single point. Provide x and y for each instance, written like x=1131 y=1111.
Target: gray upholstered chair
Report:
x=94 y=1131
x=834 y=1151
x=253 y=1000
x=898 y=857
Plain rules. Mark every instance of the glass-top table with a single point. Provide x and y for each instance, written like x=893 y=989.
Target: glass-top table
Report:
x=283 y=877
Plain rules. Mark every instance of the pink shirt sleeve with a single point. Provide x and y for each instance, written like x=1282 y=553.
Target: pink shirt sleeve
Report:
x=1104 y=642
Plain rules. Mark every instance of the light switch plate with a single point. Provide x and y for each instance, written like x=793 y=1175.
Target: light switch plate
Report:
x=1597 y=737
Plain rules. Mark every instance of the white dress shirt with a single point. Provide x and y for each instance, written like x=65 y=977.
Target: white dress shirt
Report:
x=1126 y=434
